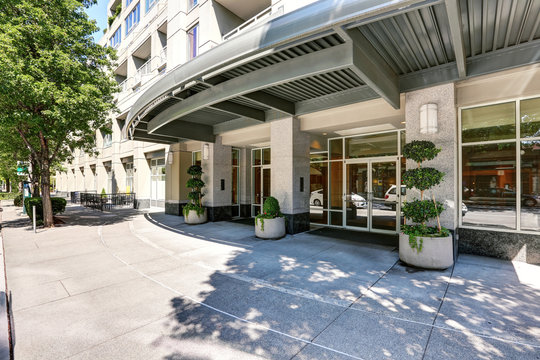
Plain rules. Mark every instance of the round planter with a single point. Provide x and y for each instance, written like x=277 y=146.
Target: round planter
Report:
x=193 y=219
x=437 y=252
x=273 y=228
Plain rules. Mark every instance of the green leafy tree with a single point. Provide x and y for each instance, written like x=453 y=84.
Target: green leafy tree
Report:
x=56 y=88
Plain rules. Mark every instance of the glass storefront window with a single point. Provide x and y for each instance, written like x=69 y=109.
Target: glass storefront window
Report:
x=266 y=156
x=486 y=123
x=530 y=185
x=530 y=118
x=336 y=185
x=336 y=149
x=197 y=158
x=489 y=185
x=318 y=200
x=371 y=145
x=256 y=156
x=318 y=156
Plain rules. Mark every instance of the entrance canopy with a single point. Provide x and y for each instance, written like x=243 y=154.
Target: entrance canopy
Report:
x=333 y=53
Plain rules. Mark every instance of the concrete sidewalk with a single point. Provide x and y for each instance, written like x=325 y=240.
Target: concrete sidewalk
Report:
x=129 y=285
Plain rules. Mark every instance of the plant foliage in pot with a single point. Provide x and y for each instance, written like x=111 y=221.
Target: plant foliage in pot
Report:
x=194 y=212
x=270 y=223
x=421 y=245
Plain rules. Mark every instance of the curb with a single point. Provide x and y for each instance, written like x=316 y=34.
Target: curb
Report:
x=5 y=334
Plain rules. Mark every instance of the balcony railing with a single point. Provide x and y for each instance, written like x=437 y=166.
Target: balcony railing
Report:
x=144 y=70
x=162 y=57
x=254 y=20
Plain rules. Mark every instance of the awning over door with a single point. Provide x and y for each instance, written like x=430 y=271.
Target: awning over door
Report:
x=333 y=53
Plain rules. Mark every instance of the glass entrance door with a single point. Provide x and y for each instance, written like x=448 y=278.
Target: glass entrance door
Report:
x=369 y=202
x=262 y=186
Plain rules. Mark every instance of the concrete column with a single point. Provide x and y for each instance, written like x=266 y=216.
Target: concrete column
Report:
x=217 y=170
x=290 y=167
x=176 y=178
x=141 y=177
x=445 y=138
x=176 y=33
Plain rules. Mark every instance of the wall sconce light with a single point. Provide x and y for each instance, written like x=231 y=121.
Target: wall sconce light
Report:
x=205 y=151
x=170 y=157
x=428 y=119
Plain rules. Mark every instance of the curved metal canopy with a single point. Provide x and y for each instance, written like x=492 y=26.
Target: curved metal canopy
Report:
x=332 y=53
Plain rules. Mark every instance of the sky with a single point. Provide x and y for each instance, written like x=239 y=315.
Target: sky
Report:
x=98 y=12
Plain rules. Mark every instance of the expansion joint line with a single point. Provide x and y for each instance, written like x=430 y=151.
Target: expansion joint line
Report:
x=260 y=326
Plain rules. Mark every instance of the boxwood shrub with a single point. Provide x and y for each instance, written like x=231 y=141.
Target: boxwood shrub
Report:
x=58 y=207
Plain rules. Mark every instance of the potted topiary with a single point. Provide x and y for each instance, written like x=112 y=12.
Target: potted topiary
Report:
x=421 y=245
x=194 y=212
x=270 y=223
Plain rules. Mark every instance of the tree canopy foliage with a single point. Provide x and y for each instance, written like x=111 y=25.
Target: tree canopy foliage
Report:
x=56 y=88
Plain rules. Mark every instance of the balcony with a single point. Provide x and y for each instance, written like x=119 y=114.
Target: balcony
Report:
x=259 y=17
x=142 y=72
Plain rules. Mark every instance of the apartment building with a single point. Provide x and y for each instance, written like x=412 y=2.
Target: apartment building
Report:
x=311 y=102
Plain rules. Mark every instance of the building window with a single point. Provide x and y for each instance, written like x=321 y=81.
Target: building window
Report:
x=500 y=165
x=149 y=4
x=193 y=41
x=133 y=18
x=115 y=40
x=192 y=4
x=196 y=158
x=128 y=2
x=129 y=177
x=107 y=140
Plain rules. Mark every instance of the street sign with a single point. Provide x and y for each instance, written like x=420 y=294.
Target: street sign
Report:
x=22 y=168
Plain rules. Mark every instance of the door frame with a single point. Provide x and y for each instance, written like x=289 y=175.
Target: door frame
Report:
x=369 y=201
x=253 y=204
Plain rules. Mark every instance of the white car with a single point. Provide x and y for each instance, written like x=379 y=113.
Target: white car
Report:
x=391 y=199
x=316 y=198
x=358 y=200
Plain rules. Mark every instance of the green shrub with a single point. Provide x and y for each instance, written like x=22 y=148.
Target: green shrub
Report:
x=58 y=207
x=17 y=201
x=271 y=210
x=422 y=210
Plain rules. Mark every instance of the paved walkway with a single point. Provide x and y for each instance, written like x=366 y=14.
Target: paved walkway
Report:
x=129 y=285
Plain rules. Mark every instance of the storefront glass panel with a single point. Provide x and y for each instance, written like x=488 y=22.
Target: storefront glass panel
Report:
x=489 y=185
x=356 y=205
x=530 y=185
x=371 y=145
x=383 y=180
x=336 y=185
x=486 y=123
x=318 y=182
x=530 y=118
x=336 y=149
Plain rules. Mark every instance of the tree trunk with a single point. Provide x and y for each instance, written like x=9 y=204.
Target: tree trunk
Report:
x=45 y=182
x=8 y=185
x=46 y=195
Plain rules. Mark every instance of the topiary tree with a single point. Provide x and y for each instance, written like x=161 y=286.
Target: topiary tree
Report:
x=196 y=185
x=420 y=211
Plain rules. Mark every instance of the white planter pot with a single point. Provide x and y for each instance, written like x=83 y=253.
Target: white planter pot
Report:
x=437 y=252
x=273 y=228
x=192 y=218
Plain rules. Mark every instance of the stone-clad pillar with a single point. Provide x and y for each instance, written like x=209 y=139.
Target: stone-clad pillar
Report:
x=290 y=172
x=445 y=138
x=217 y=172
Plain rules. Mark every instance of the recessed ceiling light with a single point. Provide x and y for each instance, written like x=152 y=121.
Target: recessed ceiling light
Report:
x=403 y=122
x=324 y=133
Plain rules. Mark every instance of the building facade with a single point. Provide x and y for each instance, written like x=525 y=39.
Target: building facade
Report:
x=312 y=102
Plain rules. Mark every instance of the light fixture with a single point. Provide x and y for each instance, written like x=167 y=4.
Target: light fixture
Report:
x=170 y=157
x=205 y=151
x=428 y=119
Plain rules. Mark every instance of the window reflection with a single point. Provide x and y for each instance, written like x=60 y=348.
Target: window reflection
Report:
x=493 y=122
x=318 y=199
x=530 y=185
x=489 y=185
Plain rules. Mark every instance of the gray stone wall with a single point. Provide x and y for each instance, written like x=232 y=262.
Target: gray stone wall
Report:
x=445 y=138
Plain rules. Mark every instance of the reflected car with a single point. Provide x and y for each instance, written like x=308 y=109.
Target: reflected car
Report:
x=501 y=197
x=316 y=198
x=390 y=198
x=358 y=200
